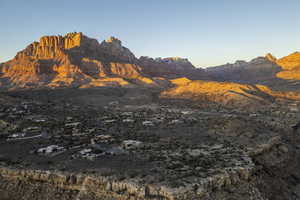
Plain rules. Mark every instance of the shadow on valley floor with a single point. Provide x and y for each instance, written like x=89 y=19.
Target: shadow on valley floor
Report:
x=284 y=85
x=256 y=95
x=89 y=96
x=249 y=96
x=274 y=83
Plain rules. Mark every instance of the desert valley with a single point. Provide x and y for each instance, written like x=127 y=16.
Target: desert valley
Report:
x=83 y=119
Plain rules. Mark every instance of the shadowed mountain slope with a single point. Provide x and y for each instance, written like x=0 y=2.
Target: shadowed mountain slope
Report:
x=227 y=93
x=279 y=74
x=257 y=70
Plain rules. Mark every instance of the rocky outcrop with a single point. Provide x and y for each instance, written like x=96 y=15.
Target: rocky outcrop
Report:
x=71 y=60
x=112 y=47
x=270 y=57
x=125 y=70
x=55 y=47
x=229 y=168
x=75 y=60
x=80 y=186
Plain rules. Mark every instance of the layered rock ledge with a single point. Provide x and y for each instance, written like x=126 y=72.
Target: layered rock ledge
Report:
x=200 y=173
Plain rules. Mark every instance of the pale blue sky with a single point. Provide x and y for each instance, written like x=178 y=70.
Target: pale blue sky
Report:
x=207 y=32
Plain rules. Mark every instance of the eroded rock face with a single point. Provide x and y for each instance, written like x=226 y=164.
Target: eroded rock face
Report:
x=125 y=70
x=80 y=61
x=70 y=60
x=113 y=47
x=80 y=186
x=56 y=46
x=77 y=60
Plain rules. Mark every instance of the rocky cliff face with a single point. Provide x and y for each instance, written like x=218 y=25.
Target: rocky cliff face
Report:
x=112 y=47
x=79 y=186
x=75 y=60
x=70 y=60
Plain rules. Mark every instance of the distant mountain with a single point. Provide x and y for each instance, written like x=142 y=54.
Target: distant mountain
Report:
x=172 y=67
x=227 y=93
x=290 y=62
x=271 y=58
x=290 y=67
x=75 y=60
x=258 y=70
x=242 y=84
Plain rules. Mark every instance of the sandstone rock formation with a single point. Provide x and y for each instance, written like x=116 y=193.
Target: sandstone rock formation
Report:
x=188 y=154
x=71 y=60
x=75 y=60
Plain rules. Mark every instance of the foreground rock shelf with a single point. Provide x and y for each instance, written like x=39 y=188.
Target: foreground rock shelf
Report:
x=182 y=174
x=99 y=187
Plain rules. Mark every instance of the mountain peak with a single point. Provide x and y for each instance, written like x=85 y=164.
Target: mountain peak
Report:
x=290 y=62
x=176 y=59
x=270 y=57
x=114 y=42
x=54 y=46
x=113 y=39
x=113 y=46
x=68 y=41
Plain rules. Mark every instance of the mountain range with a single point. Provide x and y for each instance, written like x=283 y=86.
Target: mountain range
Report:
x=259 y=69
x=75 y=60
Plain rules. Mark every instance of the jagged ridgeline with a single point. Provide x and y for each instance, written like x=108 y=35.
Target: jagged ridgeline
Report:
x=70 y=60
x=80 y=61
x=75 y=60
x=259 y=70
